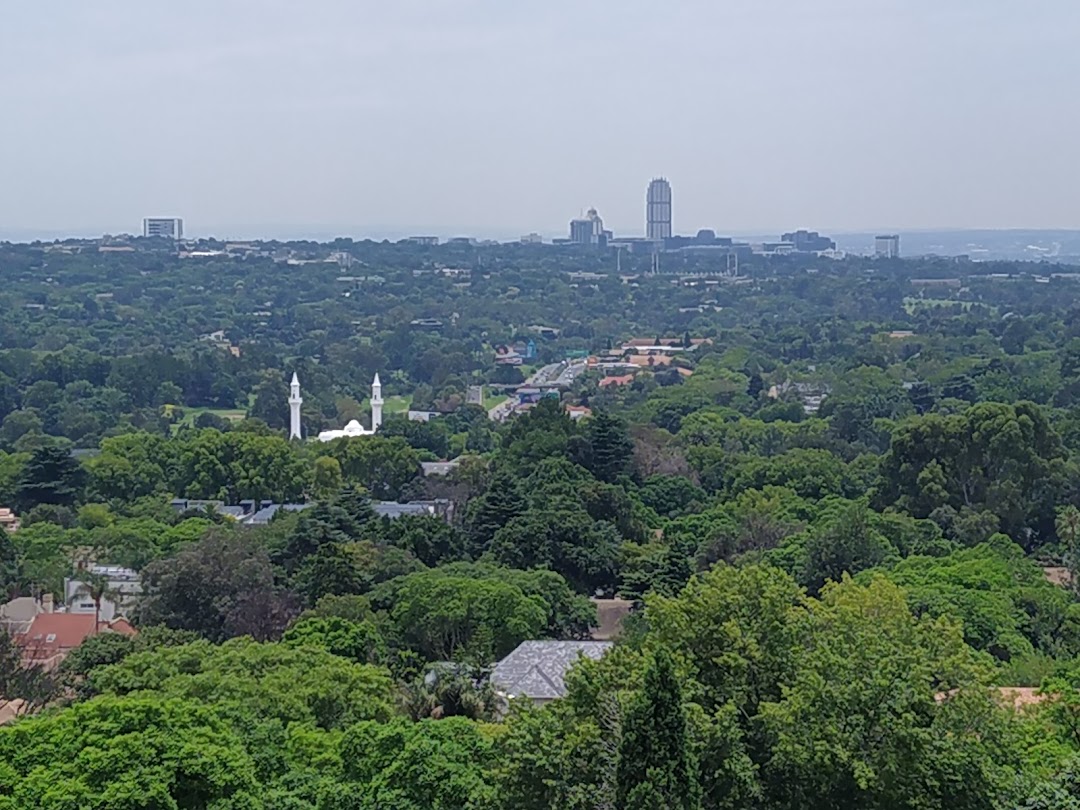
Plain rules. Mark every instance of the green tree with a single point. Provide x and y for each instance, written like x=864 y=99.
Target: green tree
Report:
x=498 y=505
x=326 y=477
x=657 y=767
x=51 y=476
x=847 y=544
x=383 y=466
x=446 y=614
x=185 y=756
x=358 y=641
x=1068 y=531
x=859 y=724
x=220 y=587
x=611 y=447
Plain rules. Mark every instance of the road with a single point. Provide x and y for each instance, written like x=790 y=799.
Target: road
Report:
x=560 y=374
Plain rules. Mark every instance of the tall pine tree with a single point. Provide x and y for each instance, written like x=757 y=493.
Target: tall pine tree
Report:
x=612 y=447
x=494 y=509
x=50 y=476
x=656 y=768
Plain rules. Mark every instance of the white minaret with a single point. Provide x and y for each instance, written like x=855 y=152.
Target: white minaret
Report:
x=294 y=407
x=376 y=403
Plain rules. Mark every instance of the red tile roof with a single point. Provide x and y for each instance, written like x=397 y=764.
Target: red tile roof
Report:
x=51 y=636
x=624 y=380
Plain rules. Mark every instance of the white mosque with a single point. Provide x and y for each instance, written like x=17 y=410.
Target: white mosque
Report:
x=350 y=430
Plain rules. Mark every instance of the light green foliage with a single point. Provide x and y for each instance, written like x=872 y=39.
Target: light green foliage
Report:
x=414 y=766
x=858 y=724
x=136 y=752
x=1003 y=600
x=359 y=641
x=445 y=616
x=244 y=679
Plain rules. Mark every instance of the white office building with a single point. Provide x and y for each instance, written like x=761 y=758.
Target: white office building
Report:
x=169 y=227
x=887 y=246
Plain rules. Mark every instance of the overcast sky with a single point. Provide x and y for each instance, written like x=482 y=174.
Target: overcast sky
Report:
x=496 y=117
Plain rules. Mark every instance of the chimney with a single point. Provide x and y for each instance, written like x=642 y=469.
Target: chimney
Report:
x=47 y=603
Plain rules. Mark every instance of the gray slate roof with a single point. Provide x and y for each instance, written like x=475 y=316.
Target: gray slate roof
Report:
x=439 y=467
x=266 y=514
x=392 y=509
x=536 y=668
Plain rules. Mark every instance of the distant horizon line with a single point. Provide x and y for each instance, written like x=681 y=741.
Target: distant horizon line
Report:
x=285 y=232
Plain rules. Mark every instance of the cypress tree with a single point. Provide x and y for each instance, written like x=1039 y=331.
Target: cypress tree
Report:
x=656 y=768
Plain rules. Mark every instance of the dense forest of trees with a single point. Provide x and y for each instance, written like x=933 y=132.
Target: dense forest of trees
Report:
x=833 y=522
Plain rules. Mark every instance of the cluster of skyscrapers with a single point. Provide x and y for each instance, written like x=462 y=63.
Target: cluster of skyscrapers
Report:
x=589 y=229
x=659 y=234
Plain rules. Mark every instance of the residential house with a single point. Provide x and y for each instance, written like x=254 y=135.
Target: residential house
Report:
x=9 y=521
x=17 y=614
x=439 y=467
x=50 y=637
x=122 y=587
x=625 y=379
x=536 y=670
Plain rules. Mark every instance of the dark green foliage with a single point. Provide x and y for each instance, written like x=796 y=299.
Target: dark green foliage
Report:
x=657 y=768
x=610 y=446
x=221 y=587
x=50 y=476
x=499 y=504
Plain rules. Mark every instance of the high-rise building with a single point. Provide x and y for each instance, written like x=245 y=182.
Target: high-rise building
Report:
x=171 y=227
x=588 y=230
x=887 y=246
x=658 y=210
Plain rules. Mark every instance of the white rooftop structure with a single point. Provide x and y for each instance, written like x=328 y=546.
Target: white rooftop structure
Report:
x=354 y=428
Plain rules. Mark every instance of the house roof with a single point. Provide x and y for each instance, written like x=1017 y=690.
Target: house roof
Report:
x=392 y=509
x=626 y=379
x=439 y=467
x=266 y=514
x=649 y=359
x=536 y=669
x=610 y=615
x=51 y=636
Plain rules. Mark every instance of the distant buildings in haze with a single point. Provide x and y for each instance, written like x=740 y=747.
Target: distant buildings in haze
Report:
x=170 y=227
x=658 y=210
x=588 y=230
x=887 y=246
x=808 y=241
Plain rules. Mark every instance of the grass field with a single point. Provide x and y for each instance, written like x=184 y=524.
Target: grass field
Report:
x=491 y=400
x=912 y=305
x=390 y=405
x=191 y=414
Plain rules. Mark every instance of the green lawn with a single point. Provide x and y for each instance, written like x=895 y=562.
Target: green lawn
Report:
x=191 y=414
x=912 y=305
x=390 y=405
x=491 y=400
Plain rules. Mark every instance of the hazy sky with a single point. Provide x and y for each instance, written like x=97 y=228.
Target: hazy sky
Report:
x=496 y=117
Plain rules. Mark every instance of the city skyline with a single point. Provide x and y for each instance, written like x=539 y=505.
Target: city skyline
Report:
x=374 y=119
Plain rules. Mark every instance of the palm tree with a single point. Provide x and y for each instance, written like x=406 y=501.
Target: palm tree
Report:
x=97 y=587
x=447 y=690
